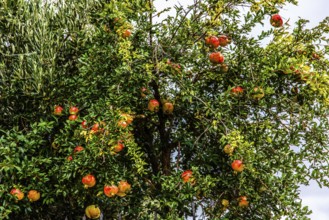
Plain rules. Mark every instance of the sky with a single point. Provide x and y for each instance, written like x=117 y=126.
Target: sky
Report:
x=315 y=198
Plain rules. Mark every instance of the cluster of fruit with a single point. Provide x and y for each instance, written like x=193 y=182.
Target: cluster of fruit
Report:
x=97 y=128
x=77 y=149
x=167 y=107
x=214 y=42
x=217 y=57
x=243 y=202
x=89 y=180
x=237 y=166
x=73 y=112
x=33 y=195
x=257 y=93
x=121 y=190
x=154 y=104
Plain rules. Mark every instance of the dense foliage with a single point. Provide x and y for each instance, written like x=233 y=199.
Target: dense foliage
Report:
x=265 y=106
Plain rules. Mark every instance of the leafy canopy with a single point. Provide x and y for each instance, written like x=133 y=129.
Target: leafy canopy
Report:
x=265 y=105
